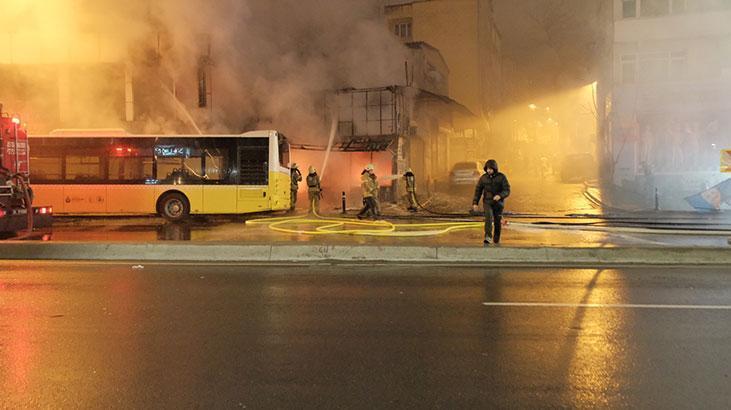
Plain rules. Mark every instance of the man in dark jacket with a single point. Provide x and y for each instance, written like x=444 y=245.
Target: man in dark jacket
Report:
x=493 y=188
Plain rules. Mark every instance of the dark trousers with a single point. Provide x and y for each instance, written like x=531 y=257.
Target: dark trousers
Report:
x=314 y=198
x=292 y=199
x=368 y=208
x=412 y=200
x=493 y=220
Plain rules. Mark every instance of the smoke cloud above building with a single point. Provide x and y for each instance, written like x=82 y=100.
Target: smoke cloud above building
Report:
x=266 y=63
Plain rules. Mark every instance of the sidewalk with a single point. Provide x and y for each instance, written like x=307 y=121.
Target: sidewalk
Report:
x=304 y=253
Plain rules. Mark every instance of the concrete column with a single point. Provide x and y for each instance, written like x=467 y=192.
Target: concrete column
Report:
x=129 y=94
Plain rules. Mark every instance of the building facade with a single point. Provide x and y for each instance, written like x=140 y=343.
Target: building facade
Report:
x=671 y=96
x=465 y=33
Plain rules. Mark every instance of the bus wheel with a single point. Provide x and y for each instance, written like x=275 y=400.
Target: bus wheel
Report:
x=174 y=207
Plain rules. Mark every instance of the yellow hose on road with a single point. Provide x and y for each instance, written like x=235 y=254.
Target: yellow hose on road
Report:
x=340 y=226
x=319 y=225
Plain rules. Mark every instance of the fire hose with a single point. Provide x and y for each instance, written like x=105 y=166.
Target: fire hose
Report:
x=321 y=225
x=348 y=226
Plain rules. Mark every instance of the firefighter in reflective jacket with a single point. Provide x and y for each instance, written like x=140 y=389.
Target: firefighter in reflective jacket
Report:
x=411 y=189
x=314 y=191
x=369 y=187
x=296 y=177
x=375 y=189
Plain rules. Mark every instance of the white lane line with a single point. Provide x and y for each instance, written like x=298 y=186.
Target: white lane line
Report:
x=606 y=306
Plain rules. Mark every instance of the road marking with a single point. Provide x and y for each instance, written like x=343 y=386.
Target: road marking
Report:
x=607 y=306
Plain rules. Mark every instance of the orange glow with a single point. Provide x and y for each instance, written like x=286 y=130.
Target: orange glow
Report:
x=544 y=132
x=342 y=173
x=53 y=32
x=19 y=354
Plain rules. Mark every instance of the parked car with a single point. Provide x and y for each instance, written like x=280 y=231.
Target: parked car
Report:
x=578 y=168
x=465 y=173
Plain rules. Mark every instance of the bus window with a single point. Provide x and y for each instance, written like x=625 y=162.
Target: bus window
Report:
x=130 y=168
x=179 y=170
x=46 y=169
x=217 y=167
x=83 y=168
x=254 y=161
x=217 y=160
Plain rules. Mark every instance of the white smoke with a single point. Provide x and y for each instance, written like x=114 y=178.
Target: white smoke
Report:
x=271 y=62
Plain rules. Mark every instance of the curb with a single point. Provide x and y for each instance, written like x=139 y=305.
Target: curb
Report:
x=284 y=254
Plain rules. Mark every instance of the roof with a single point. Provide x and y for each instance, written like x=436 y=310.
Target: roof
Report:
x=120 y=133
x=399 y=3
x=457 y=107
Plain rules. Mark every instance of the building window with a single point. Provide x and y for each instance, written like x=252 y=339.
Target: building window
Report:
x=709 y=5
x=402 y=29
x=654 y=67
x=629 y=69
x=655 y=8
x=202 y=85
x=678 y=6
x=629 y=9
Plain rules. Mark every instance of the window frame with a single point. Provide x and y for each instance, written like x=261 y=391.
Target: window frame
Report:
x=625 y=8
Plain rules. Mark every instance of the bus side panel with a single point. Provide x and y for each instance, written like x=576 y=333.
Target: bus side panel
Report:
x=194 y=193
x=219 y=199
x=49 y=195
x=131 y=199
x=253 y=199
x=85 y=199
x=280 y=186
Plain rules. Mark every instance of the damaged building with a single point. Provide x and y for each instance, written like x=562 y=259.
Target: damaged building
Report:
x=415 y=125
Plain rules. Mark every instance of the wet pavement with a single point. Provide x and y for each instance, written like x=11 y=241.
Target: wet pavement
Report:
x=122 y=336
x=541 y=220
x=518 y=232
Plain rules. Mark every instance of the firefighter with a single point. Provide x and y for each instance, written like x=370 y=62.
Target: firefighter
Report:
x=493 y=187
x=314 y=191
x=296 y=178
x=411 y=189
x=376 y=188
x=369 y=187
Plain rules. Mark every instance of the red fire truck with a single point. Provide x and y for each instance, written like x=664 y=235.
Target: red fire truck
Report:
x=17 y=213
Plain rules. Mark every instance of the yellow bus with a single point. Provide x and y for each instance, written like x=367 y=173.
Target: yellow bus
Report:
x=114 y=173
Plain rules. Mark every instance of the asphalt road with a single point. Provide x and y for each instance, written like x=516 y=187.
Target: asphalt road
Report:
x=167 y=336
